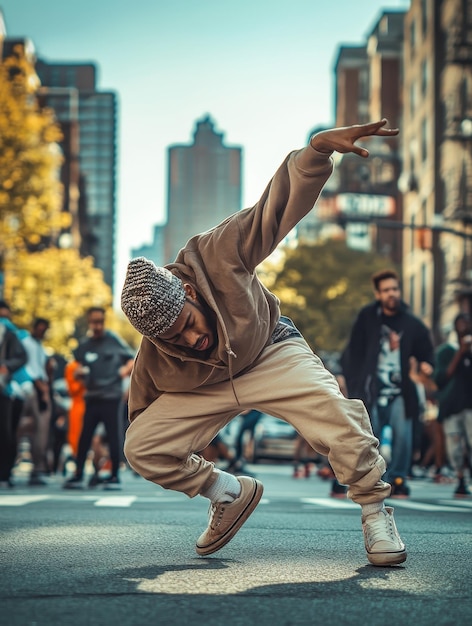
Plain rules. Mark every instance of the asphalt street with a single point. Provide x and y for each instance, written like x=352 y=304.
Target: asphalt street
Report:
x=101 y=558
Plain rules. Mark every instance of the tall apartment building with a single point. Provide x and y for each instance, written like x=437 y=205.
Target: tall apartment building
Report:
x=88 y=119
x=352 y=89
x=455 y=155
x=204 y=186
x=368 y=87
x=437 y=160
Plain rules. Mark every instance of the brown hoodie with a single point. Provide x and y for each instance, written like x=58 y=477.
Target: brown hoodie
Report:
x=221 y=264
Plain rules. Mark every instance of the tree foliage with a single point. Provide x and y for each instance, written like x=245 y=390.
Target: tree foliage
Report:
x=322 y=288
x=41 y=280
x=60 y=286
x=30 y=190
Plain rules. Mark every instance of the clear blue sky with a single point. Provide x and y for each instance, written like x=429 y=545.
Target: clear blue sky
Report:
x=263 y=69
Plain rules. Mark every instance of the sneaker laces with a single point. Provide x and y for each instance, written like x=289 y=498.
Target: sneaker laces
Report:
x=215 y=514
x=380 y=529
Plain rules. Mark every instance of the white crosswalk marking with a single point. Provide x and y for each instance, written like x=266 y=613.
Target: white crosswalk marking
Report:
x=122 y=501
x=465 y=503
x=422 y=506
x=331 y=503
x=20 y=500
x=126 y=501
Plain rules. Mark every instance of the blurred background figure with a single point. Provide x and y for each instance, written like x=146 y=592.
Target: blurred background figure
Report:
x=302 y=458
x=249 y=421
x=429 y=450
x=38 y=401
x=59 y=449
x=76 y=389
x=217 y=450
x=123 y=421
x=453 y=376
x=376 y=368
x=12 y=358
x=105 y=360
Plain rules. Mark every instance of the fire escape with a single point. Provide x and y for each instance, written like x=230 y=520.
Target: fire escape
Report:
x=457 y=160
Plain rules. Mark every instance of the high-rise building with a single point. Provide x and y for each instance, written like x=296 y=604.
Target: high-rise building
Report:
x=204 y=186
x=418 y=68
x=437 y=160
x=88 y=119
x=368 y=87
x=352 y=88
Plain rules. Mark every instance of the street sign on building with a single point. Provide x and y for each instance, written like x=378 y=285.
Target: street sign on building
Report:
x=364 y=205
x=358 y=237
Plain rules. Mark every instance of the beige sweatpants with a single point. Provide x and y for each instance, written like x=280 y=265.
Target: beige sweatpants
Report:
x=287 y=381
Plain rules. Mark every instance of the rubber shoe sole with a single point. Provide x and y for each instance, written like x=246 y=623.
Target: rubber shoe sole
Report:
x=386 y=559
x=251 y=501
x=392 y=554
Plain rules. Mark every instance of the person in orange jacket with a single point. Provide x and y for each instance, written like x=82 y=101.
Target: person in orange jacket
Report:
x=76 y=387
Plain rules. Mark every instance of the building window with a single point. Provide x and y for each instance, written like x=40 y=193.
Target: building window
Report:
x=412 y=161
x=55 y=76
x=424 y=140
x=412 y=39
x=423 y=298
x=424 y=17
x=412 y=233
x=383 y=26
x=364 y=87
x=413 y=92
x=412 y=292
x=71 y=77
x=450 y=191
x=424 y=77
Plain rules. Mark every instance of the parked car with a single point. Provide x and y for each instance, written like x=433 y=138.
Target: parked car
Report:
x=273 y=440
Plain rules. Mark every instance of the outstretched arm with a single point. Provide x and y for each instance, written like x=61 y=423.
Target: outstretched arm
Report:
x=344 y=139
x=291 y=194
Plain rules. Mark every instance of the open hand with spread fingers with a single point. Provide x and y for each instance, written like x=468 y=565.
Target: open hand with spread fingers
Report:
x=344 y=139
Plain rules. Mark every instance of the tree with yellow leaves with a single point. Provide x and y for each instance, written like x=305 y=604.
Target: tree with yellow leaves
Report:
x=40 y=280
x=59 y=285
x=30 y=159
x=322 y=287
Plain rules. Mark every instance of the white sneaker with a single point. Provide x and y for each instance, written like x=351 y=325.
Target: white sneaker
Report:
x=381 y=538
x=226 y=518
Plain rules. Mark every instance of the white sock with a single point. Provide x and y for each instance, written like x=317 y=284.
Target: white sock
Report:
x=371 y=509
x=225 y=488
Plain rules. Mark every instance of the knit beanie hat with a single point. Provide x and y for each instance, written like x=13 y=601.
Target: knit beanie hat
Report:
x=152 y=297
